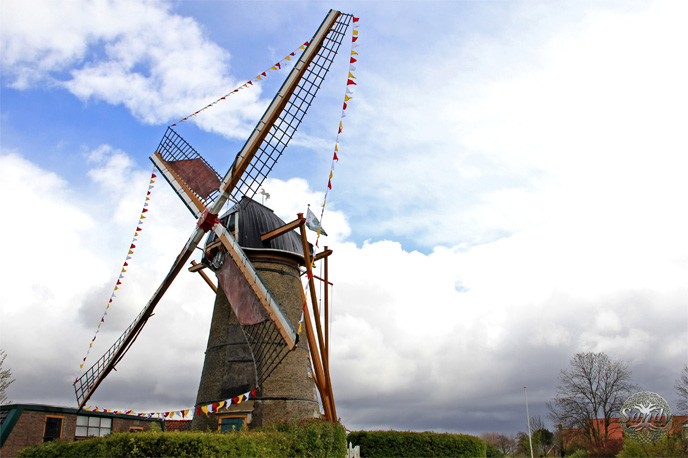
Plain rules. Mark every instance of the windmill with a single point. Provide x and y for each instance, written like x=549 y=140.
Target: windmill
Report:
x=254 y=316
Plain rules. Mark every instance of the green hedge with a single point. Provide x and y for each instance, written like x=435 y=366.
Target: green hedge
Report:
x=311 y=438
x=400 y=444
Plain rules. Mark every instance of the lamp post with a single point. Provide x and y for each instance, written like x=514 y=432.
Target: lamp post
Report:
x=530 y=441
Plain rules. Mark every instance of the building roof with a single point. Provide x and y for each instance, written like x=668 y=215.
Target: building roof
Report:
x=249 y=220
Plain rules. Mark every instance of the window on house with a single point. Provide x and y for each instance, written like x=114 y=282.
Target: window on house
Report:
x=135 y=429
x=53 y=429
x=88 y=426
x=231 y=424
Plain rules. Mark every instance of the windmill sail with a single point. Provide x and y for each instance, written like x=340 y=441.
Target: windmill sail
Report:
x=190 y=175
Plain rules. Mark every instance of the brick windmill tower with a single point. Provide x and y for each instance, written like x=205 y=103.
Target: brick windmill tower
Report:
x=259 y=261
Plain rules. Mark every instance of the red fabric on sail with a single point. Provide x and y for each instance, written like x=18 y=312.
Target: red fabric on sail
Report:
x=195 y=173
x=242 y=298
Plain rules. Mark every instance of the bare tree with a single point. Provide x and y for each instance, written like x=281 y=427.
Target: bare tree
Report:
x=5 y=378
x=594 y=386
x=506 y=444
x=681 y=387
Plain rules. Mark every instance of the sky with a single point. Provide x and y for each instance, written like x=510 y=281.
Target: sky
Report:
x=510 y=191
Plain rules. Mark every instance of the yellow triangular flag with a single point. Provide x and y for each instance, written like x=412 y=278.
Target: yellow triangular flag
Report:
x=273 y=68
x=220 y=404
x=142 y=217
x=124 y=270
x=241 y=397
x=330 y=174
x=302 y=47
x=204 y=409
x=81 y=367
x=258 y=77
x=131 y=252
x=171 y=414
x=351 y=75
x=355 y=32
x=353 y=52
x=147 y=198
x=347 y=98
x=287 y=58
x=116 y=288
x=340 y=124
x=335 y=147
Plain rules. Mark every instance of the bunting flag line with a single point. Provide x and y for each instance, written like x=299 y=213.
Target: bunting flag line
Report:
x=260 y=77
x=184 y=413
x=121 y=276
x=348 y=95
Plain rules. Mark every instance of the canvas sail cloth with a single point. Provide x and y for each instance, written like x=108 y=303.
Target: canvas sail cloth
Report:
x=242 y=298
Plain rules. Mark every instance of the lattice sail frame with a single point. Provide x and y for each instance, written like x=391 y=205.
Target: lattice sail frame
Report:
x=261 y=163
x=290 y=118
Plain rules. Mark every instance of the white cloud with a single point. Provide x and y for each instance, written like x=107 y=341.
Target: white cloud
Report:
x=159 y=65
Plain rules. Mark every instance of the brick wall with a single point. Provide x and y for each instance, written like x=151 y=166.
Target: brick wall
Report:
x=30 y=427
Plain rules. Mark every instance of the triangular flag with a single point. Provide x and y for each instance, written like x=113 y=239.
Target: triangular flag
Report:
x=354 y=53
x=344 y=107
x=355 y=32
x=350 y=82
x=221 y=404
x=347 y=98
x=204 y=409
x=354 y=39
x=335 y=158
x=351 y=75
x=330 y=174
x=352 y=68
x=132 y=246
x=329 y=184
x=356 y=19
x=145 y=209
x=241 y=398
x=154 y=176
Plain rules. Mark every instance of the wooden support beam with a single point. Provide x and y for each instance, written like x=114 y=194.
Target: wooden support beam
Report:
x=326 y=352
x=316 y=315
x=323 y=254
x=281 y=230
x=196 y=267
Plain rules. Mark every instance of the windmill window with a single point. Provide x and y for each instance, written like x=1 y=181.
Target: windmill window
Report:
x=232 y=423
x=53 y=428
x=88 y=426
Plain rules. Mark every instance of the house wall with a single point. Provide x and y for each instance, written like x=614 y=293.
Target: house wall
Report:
x=30 y=427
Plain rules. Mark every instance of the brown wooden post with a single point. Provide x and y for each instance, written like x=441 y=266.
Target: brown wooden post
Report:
x=316 y=315
x=326 y=352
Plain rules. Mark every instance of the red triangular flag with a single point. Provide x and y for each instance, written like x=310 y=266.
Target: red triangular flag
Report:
x=278 y=65
x=119 y=282
x=353 y=60
x=335 y=158
x=353 y=39
x=306 y=43
x=350 y=82
x=155 y=176
x=344 y=106
x=355 y=19
x=329 y=184
x=198 y=410
x=132 y=246
x=174 y=125
x=102 y=320
x=264 y=74
x=145 y=209
x=253 y=393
